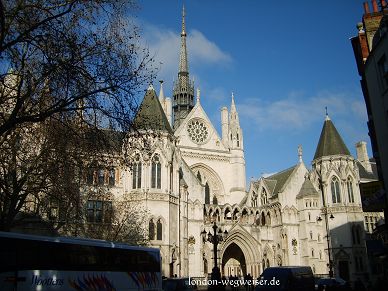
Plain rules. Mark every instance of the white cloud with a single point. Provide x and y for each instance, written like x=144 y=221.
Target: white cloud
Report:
x=204 y=50
x=218 y=94
x=165 y=44
x=296 y=112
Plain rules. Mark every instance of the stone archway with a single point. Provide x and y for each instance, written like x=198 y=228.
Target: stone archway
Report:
x=233 y=261
x=241 y=250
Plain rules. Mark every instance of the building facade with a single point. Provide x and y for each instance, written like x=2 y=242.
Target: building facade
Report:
x=190 y=177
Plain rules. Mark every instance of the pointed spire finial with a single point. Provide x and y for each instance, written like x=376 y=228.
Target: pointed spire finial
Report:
x=300 y=153
x=327 y=115
x=198 y=95
x=233 y=105
x=183 y=22
x=161 y=92
x=150 y=87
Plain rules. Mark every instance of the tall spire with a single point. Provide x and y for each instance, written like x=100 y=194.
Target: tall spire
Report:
x=183 y=66
x=183 y=22
x=233 y=112
x=183 y=91
x=233 y=105
x=235 y=131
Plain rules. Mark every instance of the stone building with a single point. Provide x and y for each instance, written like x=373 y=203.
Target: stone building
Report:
x=190 y=177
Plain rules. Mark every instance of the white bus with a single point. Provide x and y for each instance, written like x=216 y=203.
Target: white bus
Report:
x=30 y=262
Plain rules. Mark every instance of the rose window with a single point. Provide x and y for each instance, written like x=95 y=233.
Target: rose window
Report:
x=198 y=131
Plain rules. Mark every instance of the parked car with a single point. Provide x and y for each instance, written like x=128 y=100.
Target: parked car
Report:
x=332 y=284
x=286 y=278
x=177 y=284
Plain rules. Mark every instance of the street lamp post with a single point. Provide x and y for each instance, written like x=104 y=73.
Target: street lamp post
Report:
x=330 y=264
x=215 y=239
x=325 y=213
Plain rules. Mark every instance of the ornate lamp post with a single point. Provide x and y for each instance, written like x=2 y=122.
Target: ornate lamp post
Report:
x=330 y=264
x=325 y=213
x=215 y=239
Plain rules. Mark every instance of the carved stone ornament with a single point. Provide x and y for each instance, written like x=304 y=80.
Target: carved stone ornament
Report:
x=191 y=240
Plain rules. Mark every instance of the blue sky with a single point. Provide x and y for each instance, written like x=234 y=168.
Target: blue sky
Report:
x=284 y=60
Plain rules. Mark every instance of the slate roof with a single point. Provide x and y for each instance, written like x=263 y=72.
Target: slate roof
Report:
x=150 y=114
x=330 y=142
x=364 y=174
x=278 y=180
x=105 y=140
x=307 y=189
x=270 y=185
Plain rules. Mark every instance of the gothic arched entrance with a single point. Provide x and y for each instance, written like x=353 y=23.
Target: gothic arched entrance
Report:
x=240 y=253
x=233 y=261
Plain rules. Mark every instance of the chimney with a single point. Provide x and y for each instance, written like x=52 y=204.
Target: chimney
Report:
x=366 y=8
x=362 y=156
x=375 y=7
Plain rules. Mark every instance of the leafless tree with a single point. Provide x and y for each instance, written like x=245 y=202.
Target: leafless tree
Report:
x=126 y=223
x=69 y=70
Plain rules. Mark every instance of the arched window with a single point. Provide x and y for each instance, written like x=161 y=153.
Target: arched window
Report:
x=311 y=235
x=92 y=175
x=156 y=173
x=199 y=176
x=268 y=218
x=159 y=230
x=263 y=198
x=309 y=216
x=207 y=193
x=312 y=253
x=320 y=255
x=215 y=201
x=228 y=214
x=151 y=230
x=349 y=185
x=238 y=141
x=262 y=219
x=254 y=199
x=111 y=177
x=335 y=190
x=314 y=269
x=136 y=173
x=101 y=176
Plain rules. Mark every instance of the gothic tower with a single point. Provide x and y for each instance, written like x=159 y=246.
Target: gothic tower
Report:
x=335 y=173
x=183 y=91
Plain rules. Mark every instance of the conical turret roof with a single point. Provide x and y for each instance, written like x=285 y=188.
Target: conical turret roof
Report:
x=307 y=189
x=330 y=142
x=151 y=114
